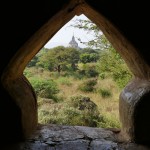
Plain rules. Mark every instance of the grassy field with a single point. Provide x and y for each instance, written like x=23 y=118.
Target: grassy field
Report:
x=66 y=110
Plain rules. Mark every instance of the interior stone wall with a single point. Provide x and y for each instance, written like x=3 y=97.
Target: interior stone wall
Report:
x=134 y=97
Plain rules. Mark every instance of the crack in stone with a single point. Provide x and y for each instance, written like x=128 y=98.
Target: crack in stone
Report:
x=71 y=138
x=89 y=145
x=86 y=138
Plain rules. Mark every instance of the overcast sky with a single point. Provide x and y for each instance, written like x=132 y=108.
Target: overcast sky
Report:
x=64 y=35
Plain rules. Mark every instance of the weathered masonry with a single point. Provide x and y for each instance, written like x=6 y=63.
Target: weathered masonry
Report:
x=27 y=28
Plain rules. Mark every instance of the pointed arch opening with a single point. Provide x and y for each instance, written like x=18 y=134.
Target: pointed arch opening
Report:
x=73 y=74
x=17 y=85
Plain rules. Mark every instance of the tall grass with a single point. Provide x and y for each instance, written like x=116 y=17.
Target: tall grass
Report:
x=63 y=113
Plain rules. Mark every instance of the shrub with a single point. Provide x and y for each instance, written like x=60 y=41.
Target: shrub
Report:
x=45 y=88
x=90 y=70
x=73 y=116
x=79 y=110
x=102 y=75
x=88 y=110
x=109 y=122
x=46 y=116
x=82 y=103
x=105 y=93
x=27 y=73
x=122 y=77
x=88 y=86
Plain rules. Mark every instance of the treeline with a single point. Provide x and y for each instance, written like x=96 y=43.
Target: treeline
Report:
x=86 y=62
x=55 y=72
x=63 y=58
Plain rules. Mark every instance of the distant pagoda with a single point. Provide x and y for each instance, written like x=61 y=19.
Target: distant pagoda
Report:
x=73 y=43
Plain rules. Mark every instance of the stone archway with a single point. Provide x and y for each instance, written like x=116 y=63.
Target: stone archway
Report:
x=23 y=94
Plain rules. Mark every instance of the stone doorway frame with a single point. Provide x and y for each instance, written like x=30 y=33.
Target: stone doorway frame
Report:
x=22 y=93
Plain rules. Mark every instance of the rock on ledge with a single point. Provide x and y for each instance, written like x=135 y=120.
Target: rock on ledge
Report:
x=57 y=137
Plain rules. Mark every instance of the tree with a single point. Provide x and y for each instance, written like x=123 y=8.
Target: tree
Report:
x=88 y=55
x=35 y=59
x=110 y=61
x=112 y=65
x=89 y=50
x=99 y=41
x=87 y=58
x=58 y=58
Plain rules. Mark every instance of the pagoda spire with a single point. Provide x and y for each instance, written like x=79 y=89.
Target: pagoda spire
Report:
x=73 y=42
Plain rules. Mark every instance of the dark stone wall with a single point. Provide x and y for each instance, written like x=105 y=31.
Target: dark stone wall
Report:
x=134 y=111
x=142 y=120
x=10 y=116
x=131 y=18
x=21 y=19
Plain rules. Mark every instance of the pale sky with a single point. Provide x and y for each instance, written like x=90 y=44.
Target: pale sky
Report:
x=64 y=35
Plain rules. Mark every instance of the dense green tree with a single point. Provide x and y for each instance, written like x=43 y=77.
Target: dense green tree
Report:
x=87 y=58
x=88 y=55
x=35 y=59
x=89 y=50
x=58 y=58
x=111 y=64
x=46 y=88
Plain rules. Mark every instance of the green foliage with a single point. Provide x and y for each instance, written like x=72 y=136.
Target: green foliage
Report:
x=87 y=58
x=58 y=58
x=27 y=73
x=109 y=122
x=105 y=93
x=99 y=41
x=82 y=102
x=90 y=70
x=88 y=55
x=111 y=64
x=80 y=110
x=102 y=62
x=35 y=59
x=88 y=85
x=89 y=26
x=102 y=75
x=45 y=88
x=48 y=116
x=89 y=50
